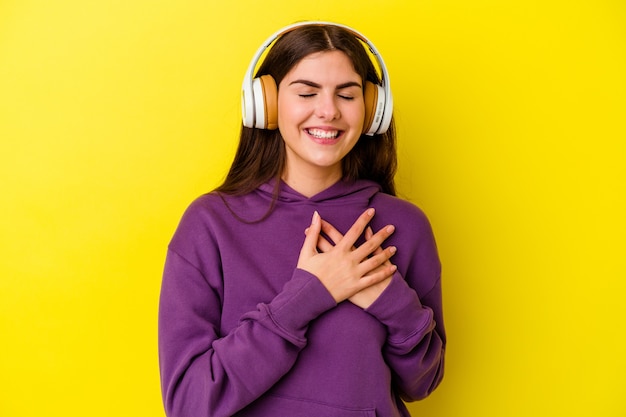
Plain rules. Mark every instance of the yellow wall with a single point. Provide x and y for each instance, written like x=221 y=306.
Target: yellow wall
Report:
x=115 y=114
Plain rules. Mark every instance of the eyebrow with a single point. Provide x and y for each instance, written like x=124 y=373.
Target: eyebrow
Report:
x=316 y=85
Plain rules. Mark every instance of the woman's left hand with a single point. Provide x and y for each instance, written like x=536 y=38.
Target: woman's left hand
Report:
x=367 y=296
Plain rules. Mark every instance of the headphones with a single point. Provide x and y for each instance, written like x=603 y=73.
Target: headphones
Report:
x=259 y=101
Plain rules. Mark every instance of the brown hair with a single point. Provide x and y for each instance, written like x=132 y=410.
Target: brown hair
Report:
x=261 y=153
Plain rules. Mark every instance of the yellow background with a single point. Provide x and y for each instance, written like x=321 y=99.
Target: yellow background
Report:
x=115 y=114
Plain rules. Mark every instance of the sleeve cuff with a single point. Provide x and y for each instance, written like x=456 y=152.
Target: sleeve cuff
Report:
x=401 y=311
x=303 y=299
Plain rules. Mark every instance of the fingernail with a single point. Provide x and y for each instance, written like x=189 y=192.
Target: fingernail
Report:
x=393 y=249
x=370 y=212
x=390 y=229
x=316 y=217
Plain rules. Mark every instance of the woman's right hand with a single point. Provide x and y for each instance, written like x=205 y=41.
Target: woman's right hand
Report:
x=343 y=268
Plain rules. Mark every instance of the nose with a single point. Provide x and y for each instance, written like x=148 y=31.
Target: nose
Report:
x=327 y=108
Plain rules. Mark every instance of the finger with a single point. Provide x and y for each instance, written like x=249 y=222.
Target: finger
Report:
x=330 y=231
x=380 y=274
x=334 y=234
x=323 y=244
x=371 y=245
x=312 y=234
x=370 y=264
x=369 y=233
x=357 y=228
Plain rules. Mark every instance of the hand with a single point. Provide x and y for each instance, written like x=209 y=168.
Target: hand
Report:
x=368 y=295
x=343 y=268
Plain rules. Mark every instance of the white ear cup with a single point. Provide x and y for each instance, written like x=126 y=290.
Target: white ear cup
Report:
x=247 y=106
x=259 y=104
x=387 y=110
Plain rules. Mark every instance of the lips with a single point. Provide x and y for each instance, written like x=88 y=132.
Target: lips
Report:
x=323 y=134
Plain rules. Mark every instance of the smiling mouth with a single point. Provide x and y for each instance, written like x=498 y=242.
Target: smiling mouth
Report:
x=323 y=134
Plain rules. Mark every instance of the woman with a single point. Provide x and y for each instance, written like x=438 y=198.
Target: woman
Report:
x=279 y=296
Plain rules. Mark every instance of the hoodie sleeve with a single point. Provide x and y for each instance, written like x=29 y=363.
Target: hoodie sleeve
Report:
x=205 y=373
x=411 y=309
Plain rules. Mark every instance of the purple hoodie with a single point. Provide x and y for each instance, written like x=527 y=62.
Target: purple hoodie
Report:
x=243 y=332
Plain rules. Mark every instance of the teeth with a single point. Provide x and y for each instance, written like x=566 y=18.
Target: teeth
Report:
x=323 y=134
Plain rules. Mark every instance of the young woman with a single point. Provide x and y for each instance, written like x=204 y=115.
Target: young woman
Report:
x=302 y=287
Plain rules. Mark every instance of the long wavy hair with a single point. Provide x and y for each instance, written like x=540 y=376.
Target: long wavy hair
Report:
x=261 y=153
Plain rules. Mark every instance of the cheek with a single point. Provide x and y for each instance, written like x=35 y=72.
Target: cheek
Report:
x=362 y=111
x=286 y=118
x=289 y=113
x=355 y=112
x=356 y=119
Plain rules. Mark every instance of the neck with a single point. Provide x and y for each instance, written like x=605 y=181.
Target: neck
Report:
x=310 y=184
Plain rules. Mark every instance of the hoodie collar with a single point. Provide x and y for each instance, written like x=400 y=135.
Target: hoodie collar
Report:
x=342 y=192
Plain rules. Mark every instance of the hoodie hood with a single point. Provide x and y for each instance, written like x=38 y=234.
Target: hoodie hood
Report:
x=263 y=201
x=342 y=192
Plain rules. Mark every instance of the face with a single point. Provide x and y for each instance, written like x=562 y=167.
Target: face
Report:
x=320 y=114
